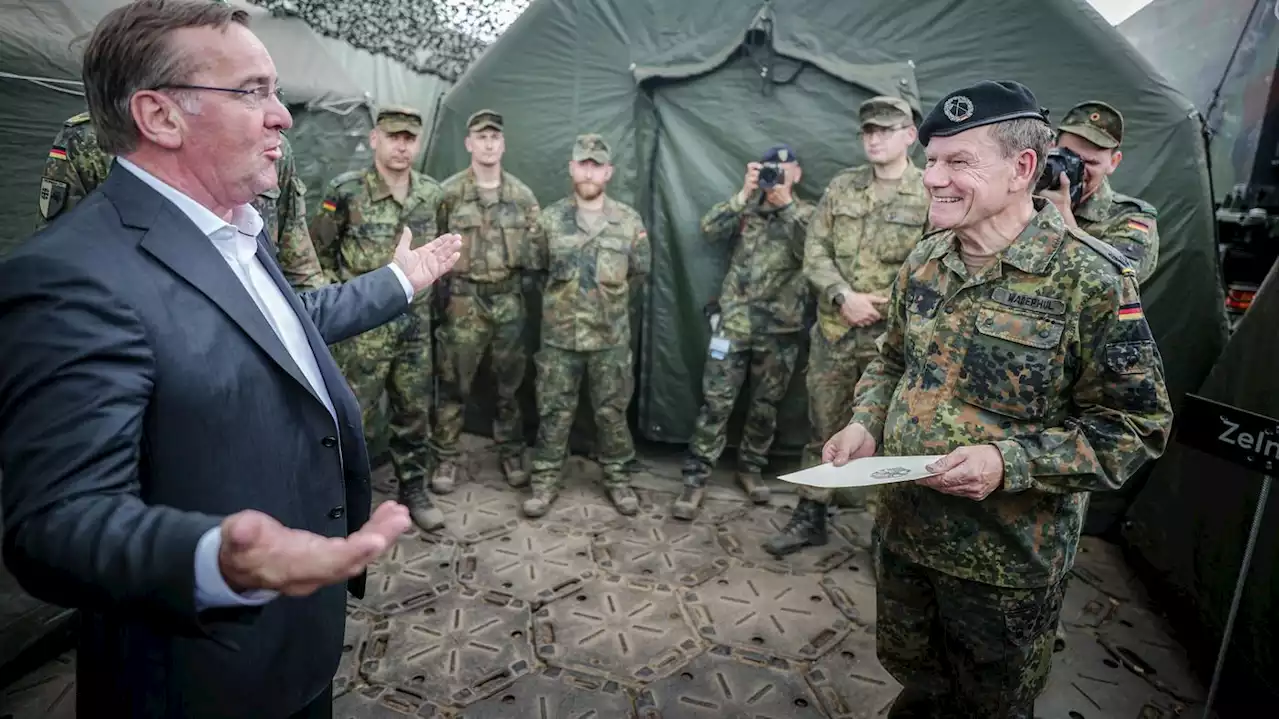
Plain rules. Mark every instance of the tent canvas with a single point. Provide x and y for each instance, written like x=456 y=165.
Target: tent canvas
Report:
x=1223 y=56
x=686 y=105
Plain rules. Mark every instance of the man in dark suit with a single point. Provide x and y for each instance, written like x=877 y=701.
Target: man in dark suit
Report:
x=182 y=459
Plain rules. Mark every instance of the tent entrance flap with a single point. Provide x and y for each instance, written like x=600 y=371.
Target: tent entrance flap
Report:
x=697 y=129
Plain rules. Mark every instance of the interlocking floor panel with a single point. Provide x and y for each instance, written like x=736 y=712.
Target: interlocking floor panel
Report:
x=760 y=610
x=1087 y=682
x=46 y=693
x=714 y=511
x=852 y=589
x=666 y=550
x=583 y=507
x=725 y=683
x=476 y=511
x=410 y=574
x=1138 y=639
x=742 y=540
x=360 y=622
x=462 y=647
x=850 y=682
x=555 y=693
x=1086 y=606
x=627 y=629
x=372 y=702
x=536 y=564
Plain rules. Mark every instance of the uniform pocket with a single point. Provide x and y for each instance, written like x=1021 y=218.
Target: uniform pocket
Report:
x=904 y=228
x=611 y=266
x=1012 y=363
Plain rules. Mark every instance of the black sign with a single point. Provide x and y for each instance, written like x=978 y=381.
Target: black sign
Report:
x=1236 y=435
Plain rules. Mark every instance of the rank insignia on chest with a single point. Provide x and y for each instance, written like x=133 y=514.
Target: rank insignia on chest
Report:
x=1129 y=312
x=1035 y=303
x=328 y=206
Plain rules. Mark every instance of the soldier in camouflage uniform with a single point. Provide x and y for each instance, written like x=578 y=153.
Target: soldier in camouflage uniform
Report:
x=866 y=224
x=356 y=231
x=497 y=216
x=761 y=320
x=1093 y=130
x=76 y=166
x=1016 y=347
x=595 y=252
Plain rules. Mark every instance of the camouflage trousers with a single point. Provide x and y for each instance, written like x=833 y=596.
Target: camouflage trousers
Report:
x=962 y=649
x=833 y=373
x=610 y=383
x=473 y=325
x=768 y=362
x=395 y=358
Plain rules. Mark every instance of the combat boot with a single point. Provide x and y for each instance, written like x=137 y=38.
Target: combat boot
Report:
x=624 y=500
x=808 y=527
x=445 y=478
x=545 y=491
x=422 y=511
x=513 y=468
x=689 y=502
x=753 y=484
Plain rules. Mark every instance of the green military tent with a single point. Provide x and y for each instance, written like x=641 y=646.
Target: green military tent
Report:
x=329 y=86
x=688 y=92
x=1222 y=55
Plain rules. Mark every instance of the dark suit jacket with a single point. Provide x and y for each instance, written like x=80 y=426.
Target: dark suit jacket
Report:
x=143 y=397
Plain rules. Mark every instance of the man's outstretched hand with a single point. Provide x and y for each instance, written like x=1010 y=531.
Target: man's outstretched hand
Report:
x=259 y=552
x=428 y=263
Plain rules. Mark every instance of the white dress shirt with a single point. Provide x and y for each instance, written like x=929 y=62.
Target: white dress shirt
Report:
x=237 y=242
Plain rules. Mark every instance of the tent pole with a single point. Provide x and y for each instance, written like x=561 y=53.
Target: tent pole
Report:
x=1261 y=509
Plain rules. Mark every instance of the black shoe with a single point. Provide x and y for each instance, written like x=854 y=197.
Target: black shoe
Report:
x=807 y=528
x=422 y=511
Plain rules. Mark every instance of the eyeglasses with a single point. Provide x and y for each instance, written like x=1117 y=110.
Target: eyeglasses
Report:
x=256 y=95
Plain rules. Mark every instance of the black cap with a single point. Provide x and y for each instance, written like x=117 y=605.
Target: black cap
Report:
x=780 y=153
x=984 y=103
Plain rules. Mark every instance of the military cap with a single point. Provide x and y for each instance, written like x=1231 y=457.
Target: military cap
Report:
x=1095 y=121
x=780 y=153
x=984 y=103
x=591 y=147
x=397 y=118
x=485 y=119
x=884 y=111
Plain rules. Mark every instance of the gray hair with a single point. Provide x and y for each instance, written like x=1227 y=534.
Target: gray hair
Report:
x=130 y=50
x=1014 y=136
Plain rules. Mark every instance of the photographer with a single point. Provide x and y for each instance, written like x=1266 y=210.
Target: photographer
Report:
x=757 y=328
x=1092 y=131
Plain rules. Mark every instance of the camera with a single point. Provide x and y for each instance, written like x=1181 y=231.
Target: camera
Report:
x=771 y=175
x=1058 y=161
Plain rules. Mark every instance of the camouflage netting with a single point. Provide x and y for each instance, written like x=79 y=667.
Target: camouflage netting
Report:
x=439 y=37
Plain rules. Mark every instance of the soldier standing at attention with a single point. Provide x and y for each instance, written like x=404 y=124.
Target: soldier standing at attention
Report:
x=360 y=222
x=76 y=166
x=595 y=251
x=867 y=222
x=762 y=303
x=1015 y=346
x=497 y=216
x=1093 y=130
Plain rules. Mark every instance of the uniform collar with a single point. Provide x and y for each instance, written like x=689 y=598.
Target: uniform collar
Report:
x=379 y=189
x=471 y=190
x=1031 y=251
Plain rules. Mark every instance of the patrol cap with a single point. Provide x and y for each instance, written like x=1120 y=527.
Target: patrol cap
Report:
x=780 y=153
x=1095 y=121
x=398 y=118
x=591 y=147
x=984 y=103
x=884 y=111
x=485 y=119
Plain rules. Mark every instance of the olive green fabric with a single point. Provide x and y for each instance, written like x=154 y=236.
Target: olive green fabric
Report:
x=687 y=93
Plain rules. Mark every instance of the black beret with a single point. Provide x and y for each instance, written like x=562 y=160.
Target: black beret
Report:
x=981 y=104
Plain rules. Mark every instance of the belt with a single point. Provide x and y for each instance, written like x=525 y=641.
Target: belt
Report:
x=463 y=286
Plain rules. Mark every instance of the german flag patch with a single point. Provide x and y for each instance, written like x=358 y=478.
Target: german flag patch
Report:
x=1139 y=225
x=328 y=206
x=1130 y=312
x=57 y=153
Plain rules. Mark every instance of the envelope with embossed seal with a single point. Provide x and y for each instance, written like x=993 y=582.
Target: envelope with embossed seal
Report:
x=865 y=472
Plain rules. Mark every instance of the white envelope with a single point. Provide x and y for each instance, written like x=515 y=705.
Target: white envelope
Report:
x=865 y=472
